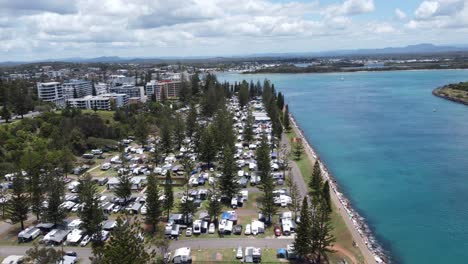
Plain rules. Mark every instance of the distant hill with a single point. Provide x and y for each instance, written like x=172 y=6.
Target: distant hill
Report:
x=411 y=49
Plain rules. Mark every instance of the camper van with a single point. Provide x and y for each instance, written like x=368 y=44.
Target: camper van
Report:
x=197 y=225
x=234 y=202
x=105 y=166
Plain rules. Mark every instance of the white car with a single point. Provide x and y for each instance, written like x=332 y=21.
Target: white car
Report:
x=239 y=254
x=85 y=241
x=188 y=232
x=144 y=210
x=248 y=230
x=211 y=229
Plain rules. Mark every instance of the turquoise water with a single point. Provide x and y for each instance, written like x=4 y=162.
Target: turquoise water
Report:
x=403 y=165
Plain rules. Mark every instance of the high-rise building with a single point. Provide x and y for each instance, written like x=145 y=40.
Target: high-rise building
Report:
x=164 y=89
x=77 y=88
x=51 y=92
x=131 y=90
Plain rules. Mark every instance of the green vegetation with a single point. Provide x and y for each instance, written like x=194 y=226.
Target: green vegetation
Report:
x=454 y=92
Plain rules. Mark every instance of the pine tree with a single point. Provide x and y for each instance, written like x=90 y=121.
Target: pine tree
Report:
x=179 y=130
x=123 y=190
x=191 y=121
x=322 y=230
x=195 y=81
x=228 y=184
x=55 y=191
x=157 y=154
x=326 y=196
x=303 y=241
x=214 y=206
x=268 y=207
x=125 y=246
x=295 y=196
x=286 y=122
x=31 y=162
x=166 y=136
x=168 y=194
x=298 y=150
x=18 y=206
x=153 y=204
x=263 y=158
x=90 y=213
x=141 y=130
x=248 y=129
x=244 y=94
x=208 y=147
x=75 y=93
x=315 y=183
x=5 y=114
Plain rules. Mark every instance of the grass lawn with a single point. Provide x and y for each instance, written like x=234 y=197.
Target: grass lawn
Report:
x=229 y=256
x=107 y=116
x=340 y=231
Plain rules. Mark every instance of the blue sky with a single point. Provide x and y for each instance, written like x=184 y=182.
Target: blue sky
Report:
x=44 y=29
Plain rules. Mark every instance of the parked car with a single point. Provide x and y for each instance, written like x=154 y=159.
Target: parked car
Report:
x=278 y=231
x=188 y=232
x=248 y=230
x=116 y=209
x=211 y=229
x=71 y=253
x=239 y=254
x=237 y=230
x=85 y=241
x=143 y=210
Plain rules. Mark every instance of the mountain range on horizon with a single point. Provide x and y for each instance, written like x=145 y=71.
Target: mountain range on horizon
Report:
x=425 y=48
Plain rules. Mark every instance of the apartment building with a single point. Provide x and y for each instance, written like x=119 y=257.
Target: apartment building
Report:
x=51 y=92
x=77 y=89
x=99 y=102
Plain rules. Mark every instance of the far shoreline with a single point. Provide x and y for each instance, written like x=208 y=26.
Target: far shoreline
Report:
x=345 y=72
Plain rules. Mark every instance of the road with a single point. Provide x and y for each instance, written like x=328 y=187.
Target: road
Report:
x=28 y=115
x=195 y=244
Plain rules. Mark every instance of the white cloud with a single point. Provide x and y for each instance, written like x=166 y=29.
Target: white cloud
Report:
x=440 y=14
x=427 y=9
x=58 y=28
x=383 y=28
x=400 y=14
x=351 y=7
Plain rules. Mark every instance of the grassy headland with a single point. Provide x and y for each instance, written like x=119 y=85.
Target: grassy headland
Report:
x=454 y=92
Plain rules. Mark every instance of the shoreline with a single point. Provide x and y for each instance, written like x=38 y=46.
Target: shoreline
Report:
x=436 y=93
x=360 y=231
x=344 y=72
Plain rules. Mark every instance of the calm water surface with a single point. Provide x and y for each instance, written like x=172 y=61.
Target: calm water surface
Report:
x=399 y=153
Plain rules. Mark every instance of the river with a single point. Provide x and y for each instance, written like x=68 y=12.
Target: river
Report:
x=399 y=153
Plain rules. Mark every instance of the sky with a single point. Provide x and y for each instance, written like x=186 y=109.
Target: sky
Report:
x=52 y=29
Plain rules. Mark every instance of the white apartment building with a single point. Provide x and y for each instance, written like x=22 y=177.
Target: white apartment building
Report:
x=80 y=87
x=116 y=80
x=51 y=92
x=101 y=88
x=134 y=92
x=99 y=102
x=90 y=102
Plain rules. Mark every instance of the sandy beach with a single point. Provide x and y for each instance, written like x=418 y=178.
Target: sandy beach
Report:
x=362 y=236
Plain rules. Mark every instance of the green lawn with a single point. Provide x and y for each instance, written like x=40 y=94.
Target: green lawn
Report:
x=107 y=116
x=229 y=256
